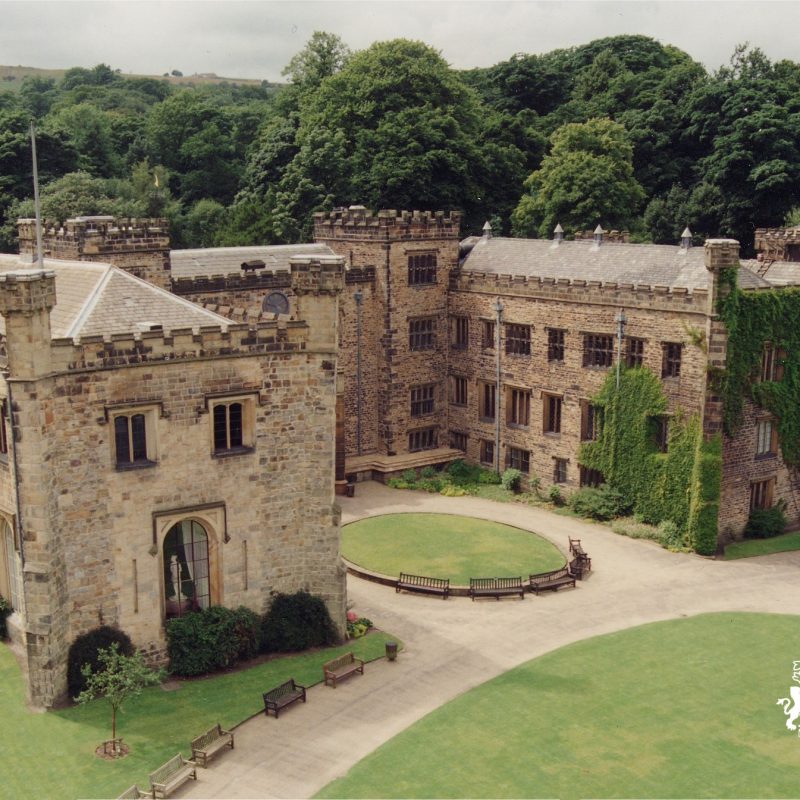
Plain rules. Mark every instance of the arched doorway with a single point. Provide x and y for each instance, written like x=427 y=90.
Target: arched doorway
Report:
x=187 y=586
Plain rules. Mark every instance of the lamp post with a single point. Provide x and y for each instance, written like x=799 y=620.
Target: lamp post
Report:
x=621 y=321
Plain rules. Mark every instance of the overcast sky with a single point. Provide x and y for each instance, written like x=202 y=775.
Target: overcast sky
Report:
x=256 y=38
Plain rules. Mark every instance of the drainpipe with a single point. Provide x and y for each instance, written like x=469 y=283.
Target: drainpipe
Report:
x=498 y=309
x=358 y=297
x=621 y=320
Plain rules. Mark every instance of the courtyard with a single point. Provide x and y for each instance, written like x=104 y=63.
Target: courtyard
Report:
x=454 y=646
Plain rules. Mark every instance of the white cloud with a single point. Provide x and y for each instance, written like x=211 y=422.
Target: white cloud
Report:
x=256 y=39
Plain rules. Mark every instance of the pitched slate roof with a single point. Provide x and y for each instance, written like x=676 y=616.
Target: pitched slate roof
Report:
x=97 y=299
x=648 y=264
x=226 y=260
x=778 y=273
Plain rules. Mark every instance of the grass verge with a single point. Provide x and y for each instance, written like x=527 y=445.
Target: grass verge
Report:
x=763 y=547
x=685 y=708
x=446 y=546
x=52 y=754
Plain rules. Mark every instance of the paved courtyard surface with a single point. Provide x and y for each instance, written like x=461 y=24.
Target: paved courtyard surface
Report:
x=452 y=646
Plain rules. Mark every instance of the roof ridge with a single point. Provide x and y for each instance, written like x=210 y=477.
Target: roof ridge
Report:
x=89 y=303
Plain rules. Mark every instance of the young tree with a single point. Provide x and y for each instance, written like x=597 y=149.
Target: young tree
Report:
x=120 y=678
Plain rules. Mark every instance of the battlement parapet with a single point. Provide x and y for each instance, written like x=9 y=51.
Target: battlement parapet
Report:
x=93 y=236
x=277 y=337
x=358 y=222
x=778 y=244
x=572 y=290
x=317 y=275
x=609 y=237
x=234 y=281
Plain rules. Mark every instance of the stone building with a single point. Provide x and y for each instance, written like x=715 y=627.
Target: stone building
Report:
x=156 y=457
x=493 y=348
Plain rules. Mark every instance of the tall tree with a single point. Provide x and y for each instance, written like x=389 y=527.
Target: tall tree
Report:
x=587 y=179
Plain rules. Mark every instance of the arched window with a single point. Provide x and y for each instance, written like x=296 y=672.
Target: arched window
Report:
x=9 y=575
x=186 y=573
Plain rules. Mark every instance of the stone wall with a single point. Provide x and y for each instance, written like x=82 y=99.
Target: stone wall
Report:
x=383 y=242
x=578 y=310
x=93 y=532
x=139 y=246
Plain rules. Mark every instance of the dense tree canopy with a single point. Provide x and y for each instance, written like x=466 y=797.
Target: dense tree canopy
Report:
x=394 y=126
x=586 y=180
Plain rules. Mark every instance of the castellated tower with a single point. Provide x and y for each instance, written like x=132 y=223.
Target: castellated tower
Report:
x=394 y=337
x=139 y=246
x=160 y=458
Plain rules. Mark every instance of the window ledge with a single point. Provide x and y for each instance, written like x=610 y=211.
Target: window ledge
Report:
x=764 y=456
x=233 y=451
x=134 y=465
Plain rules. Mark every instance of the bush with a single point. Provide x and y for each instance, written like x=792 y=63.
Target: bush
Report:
x=766 y=522
x=399 y=483
x=556 y=498
x=489 y=476
x=600 y=504
x=428 y=472
x=212 y=639
x=669 y=535
x=409 y=475
x=431 y=485
x=511 y=479
x=357 y=626
x=296 y=622
x=5 y=610
x=84 y=651
x=452 y=490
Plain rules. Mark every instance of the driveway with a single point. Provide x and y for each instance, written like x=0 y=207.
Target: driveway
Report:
x=452 y=646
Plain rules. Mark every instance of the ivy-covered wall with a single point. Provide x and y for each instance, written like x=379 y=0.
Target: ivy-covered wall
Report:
x=753 y=318
x=682 y=484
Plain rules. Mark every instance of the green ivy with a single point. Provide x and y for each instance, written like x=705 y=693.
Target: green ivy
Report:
x=752 y=319
x=680 y=485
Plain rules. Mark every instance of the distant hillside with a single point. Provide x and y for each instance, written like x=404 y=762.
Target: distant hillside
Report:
x=11 y=77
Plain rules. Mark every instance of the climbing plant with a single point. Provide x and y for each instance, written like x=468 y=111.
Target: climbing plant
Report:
x=753 y=319
x=682 y=484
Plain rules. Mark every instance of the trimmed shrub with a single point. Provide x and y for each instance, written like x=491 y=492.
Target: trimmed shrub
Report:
x=5 y=610
x=212 y=639
x=296 y=622
x=511 y=479
x=600 y=504
x=84 y=651
x=766 y=522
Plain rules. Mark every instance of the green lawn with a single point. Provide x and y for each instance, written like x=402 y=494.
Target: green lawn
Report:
x=669 y=710
x=446 y=546
x=52 y=755
x=763 y=547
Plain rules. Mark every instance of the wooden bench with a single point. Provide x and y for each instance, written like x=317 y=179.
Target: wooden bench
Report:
x=133 y=793
x=209 y=743
x=581 y=563
x=282 y=696
x=422 y=583
x=341 y=667
x=554 y=580
x=579 y=567
x=495 y=587
x=168 y=777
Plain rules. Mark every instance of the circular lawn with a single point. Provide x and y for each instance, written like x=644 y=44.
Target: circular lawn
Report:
x=446 y=546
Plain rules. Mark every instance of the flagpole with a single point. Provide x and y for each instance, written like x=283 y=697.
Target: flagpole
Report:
x=36 y=205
